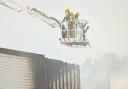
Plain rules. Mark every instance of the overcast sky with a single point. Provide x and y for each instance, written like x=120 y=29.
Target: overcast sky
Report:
x=108 y=20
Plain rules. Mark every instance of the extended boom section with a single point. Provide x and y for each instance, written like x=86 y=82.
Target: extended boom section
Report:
x=16 y=6
x=73 y=29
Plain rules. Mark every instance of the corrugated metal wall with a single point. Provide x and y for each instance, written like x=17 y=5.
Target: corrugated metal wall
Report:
x=21 y=70
x=15 y=72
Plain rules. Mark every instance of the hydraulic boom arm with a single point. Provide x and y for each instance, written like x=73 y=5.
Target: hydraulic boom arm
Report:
x=14 y=5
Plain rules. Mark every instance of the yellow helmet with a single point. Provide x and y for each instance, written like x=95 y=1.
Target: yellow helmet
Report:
x=66 y=8
x=77 y=12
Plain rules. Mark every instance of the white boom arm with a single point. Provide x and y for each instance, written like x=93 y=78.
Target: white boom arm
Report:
x=15 y=5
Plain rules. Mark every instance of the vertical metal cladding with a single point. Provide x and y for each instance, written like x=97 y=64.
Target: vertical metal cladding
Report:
x=16 y=72
x=63 y=75
x=21 y=70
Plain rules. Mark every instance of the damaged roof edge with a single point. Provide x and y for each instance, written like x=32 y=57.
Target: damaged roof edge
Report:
x=19 y=53
x=27 y=54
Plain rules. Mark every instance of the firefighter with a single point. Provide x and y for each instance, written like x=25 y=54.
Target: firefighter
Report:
x=67 y=14
x=72 y=25
x=65 y=25
x=72 y=20
x=77 y=15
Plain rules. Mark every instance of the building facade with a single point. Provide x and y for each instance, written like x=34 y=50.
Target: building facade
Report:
x=22 y=70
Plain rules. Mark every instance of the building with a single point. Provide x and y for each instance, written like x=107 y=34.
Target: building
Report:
x=22 y=70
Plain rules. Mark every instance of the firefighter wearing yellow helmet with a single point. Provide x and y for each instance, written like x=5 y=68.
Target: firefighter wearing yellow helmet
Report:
x=77 y=14
x=72 y=18
x=71 y=25
x=67 y=14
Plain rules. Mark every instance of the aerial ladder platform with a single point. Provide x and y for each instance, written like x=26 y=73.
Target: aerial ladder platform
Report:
x=71 y=34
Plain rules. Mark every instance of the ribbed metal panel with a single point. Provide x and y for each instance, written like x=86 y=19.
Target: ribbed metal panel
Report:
x=22 y=70
x=15 y=72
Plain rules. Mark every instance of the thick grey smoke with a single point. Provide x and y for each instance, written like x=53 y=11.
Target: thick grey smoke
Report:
x=108 y=72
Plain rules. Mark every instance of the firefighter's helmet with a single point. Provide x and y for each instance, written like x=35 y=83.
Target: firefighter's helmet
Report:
x=66 y=8
x=77 y=13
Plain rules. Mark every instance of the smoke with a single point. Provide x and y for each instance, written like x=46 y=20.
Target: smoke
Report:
x=108 y=72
